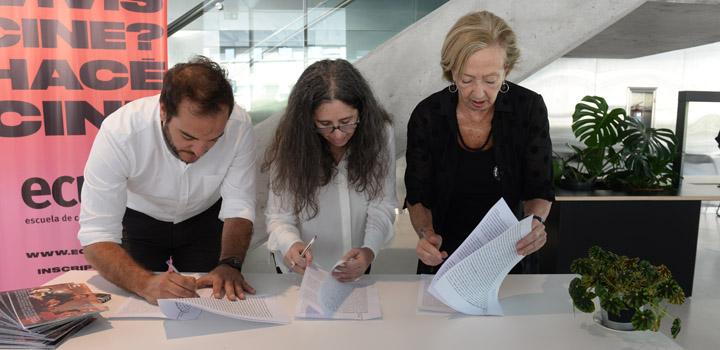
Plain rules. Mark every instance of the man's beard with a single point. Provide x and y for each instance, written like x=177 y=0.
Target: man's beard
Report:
x=168 y=141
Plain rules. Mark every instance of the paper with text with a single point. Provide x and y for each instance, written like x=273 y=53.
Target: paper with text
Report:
x=263 y=309
x=322 y=296
x=470 y=279
x=428 y=302
x=254 y=308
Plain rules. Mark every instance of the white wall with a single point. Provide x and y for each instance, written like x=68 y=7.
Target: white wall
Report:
x=565 y=81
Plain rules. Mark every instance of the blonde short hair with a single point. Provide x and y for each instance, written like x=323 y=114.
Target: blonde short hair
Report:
x=473 y=32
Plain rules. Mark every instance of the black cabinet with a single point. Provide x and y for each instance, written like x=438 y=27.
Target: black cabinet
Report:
x=660 y=231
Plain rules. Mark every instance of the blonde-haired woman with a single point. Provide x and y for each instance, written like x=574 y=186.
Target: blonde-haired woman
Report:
x=480 y=139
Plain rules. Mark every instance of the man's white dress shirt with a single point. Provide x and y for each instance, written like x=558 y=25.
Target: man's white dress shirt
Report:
x=130 y=165
x=346 y=218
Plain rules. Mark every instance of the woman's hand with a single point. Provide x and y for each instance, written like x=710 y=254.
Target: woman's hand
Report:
x=294 y=261
x=354 y=264
x=533 y=240
x=428 y=248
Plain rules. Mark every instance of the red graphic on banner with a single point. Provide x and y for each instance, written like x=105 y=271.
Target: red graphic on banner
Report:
x=64 y=67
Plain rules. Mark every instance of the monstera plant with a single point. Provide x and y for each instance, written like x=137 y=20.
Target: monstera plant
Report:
x=599 y=129
x=618 y=149
x=646 y=158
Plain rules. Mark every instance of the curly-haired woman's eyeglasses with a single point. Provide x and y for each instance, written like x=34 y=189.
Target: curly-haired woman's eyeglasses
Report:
x=345 y=128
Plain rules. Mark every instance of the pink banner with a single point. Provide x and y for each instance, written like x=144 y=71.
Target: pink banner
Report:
x=64 y=66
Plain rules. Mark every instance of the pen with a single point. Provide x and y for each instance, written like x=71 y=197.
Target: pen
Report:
x=170 y=265
x=302 y=254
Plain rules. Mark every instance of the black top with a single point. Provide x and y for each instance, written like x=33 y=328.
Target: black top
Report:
x=469 y=202
x=521 y=148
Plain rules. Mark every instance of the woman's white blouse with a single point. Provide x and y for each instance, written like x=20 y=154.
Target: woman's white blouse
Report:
x=346 y=218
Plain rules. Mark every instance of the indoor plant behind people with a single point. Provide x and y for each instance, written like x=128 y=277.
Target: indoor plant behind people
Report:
x=599 y=129
x=625 y=286
x=618 y=150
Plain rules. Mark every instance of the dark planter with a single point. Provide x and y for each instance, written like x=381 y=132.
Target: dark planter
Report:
x=574 y=185
x=602 y=185
x=619 y=322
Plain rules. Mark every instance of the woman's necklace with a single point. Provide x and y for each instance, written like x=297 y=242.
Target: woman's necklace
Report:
x=471 y=126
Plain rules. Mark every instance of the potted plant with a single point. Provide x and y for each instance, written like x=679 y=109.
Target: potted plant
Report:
x=618 y=150
x=582 y=169
x=599 y=129
x=625 y=286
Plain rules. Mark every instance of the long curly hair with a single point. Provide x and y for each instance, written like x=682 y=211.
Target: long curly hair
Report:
x=300 y=158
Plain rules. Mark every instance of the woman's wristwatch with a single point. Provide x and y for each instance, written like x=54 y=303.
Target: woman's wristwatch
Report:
x=539 y=218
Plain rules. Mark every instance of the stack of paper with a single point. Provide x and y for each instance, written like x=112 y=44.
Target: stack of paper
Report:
x=265 y=309
x=426 y=301
x=322 y=296
x=44 y=317
x=470 y=279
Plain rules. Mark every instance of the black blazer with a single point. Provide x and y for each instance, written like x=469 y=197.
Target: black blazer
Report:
x=522 y=147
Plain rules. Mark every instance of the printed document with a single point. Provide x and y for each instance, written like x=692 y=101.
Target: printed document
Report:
x=470 y=279
x=426 y=301
x=266 y=309
x=253 y=308
x=322 y=296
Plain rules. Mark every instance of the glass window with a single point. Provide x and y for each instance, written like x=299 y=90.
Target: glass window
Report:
x=701 y=156
x=266 y=44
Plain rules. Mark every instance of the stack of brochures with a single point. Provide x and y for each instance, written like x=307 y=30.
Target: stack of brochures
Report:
x=43 y=317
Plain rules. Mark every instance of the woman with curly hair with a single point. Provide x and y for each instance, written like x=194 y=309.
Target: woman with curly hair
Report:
x=332 y=173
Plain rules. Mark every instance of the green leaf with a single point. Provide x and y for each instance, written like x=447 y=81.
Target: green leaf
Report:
x=582 y=299
x=584 y=305
x=581 y=267
x=576 y=290
x=602 y=291
x=613 y=304
x=596 y=253
x=649 y=154
x=637 y=298
x=675 y=329
x=594 y=125
x=671 y=291
x=643 y=320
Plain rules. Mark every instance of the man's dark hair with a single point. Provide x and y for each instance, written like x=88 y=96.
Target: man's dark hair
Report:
x=200 y=80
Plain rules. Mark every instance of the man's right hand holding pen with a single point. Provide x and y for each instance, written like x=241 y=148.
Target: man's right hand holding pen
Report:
x=299 y=256
x=169 y=284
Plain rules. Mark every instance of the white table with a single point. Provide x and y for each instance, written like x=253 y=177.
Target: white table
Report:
x=538 y=315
